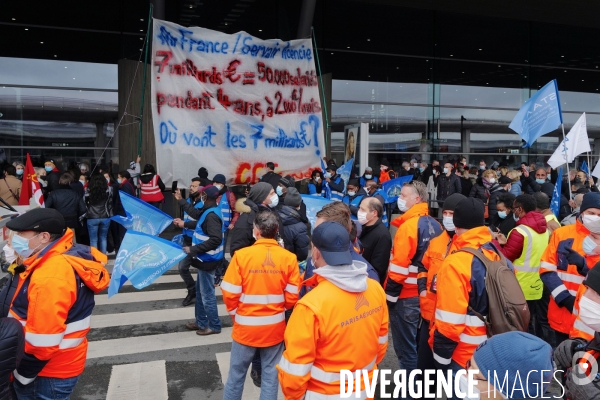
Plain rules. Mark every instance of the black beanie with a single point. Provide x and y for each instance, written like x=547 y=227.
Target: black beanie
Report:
x=590 y=200
x=468 y=213
x=452 y=200
x=592 y=279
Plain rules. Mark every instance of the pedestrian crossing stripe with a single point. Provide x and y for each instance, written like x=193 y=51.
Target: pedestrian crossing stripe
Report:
x=139 y=381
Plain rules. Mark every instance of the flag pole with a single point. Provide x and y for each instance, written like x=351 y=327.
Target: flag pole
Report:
x=566 y=160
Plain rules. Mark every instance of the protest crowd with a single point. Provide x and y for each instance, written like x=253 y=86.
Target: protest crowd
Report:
x=295 y=289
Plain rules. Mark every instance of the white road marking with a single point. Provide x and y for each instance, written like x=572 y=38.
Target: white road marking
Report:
x=138 y=297
x=149 y=317
x=143 y=381
x=251 y=392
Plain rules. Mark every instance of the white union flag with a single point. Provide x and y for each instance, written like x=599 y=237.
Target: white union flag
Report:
x=576 y=142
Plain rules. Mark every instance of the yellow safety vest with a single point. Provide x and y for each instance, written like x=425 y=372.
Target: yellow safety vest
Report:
x=551 y=217
x=527 y=266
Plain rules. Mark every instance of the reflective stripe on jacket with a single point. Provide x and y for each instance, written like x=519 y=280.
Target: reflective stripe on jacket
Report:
x=527 y=266
x=150 y=192
x=579 y=329
x=260 y=284
x=434 y=257
x=187 y=218
x=355 y=201
x=560 y=277
x=415 y=229
x=54 y=302
x=336 y=195
x=324 y=336
x=200 y=237
x=457 y=331
x=226 y=211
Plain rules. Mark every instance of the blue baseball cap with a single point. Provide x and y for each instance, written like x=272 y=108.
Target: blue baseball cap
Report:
x=333 y=242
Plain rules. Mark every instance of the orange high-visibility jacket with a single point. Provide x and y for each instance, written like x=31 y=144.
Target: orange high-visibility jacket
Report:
x=415 y=229
x=579 y=329
x=384 y=176
x=457 y=331
x=560 y=277
x=54 y=302
x=332 y=329
x=434 y=257
x=261 y=282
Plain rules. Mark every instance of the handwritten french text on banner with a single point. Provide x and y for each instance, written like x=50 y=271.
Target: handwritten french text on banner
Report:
x=231 y=103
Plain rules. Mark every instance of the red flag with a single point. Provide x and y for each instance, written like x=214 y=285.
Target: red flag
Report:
x=31 y=186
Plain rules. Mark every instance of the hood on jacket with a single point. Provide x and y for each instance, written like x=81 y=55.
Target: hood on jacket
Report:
x=289 y=215
x=241 y=207
x=475 y=237
x=147 y=177
x=535 y=220
x=351 y=278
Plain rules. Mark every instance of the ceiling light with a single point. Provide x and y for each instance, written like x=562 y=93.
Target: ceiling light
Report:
x=582 y=80
x=41 y=42
x=397 y=67
x=463 y=72
x=499 y=66
x=141 y=38
x=565 y=70
x=562 y=56
x=260 y=30
x=142 y=19
x=191 y=6
x=73 y=78
x=225 y=23
x=65 y=67
x=26 y=29
x=348 y=46
x=141 y=30
x=14 y=19
x=480 y=49
x=55 y=55
x=368 y=40
x=331 y=53
x=451 y=55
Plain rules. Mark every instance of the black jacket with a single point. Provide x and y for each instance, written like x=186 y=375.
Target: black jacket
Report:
x=68 y=203
x=478 y=191
x=338 y=187
x=466 y=186
x=52 y=178
x=272 y=178
x=495 y=191
x=505 y=225
x=295 y=233
x=377 y=244
x=447 y=185
x=427 y=172
x=126 y=187
x=12 y=346
x=241 y=234
x=213 y=228
x=102 y=208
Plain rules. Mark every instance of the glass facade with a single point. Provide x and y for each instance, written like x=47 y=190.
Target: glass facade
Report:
x=60 y=110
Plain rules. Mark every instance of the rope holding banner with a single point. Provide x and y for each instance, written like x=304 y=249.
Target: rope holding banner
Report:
x=141 y=117
x=324 y=100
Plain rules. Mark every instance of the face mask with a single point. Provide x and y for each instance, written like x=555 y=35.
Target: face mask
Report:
x=502 y=214
x=492 y=180
x=592 y=222
x=589 y=312
x=21 y=246
x=120 y=180
x=448 y=223
x=107 y=180
x=383 y=167
x=279 y=191
x=362 y=217
x=515 y=217
x=351 y=194
x=402 y=205
x=482 y=167
x=589 y=246
x=421 y=169
x=327 y=175
x=82 y=182
x=19 y=172
x=203 y=199
x=43 y=183
x=317 y=179
x=445 y=170
x=274 y=200
x=254 y=235
x=368 y=176
x=540 y=181
x=9 y=254
x=366 y=189
x=416 y=165
x=218 y=186
x=48 y=169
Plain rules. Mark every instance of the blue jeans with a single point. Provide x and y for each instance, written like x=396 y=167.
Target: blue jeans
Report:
x=206 y=302
x=98 y=230
x=404 y=321
x=44 y=388
x=241 y=356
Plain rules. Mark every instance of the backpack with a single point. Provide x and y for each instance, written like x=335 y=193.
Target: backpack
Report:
x=507 y=307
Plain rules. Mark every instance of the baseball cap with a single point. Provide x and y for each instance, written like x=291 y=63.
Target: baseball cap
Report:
x=333 y=242
x=38 y=220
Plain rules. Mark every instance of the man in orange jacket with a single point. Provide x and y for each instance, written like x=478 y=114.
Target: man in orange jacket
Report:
x=457 y=331
x=260 y=284
x=415 y=231
x=53 y=299
x=341 y=324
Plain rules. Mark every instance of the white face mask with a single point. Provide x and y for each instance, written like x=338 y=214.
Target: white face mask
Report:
x=317 y=179
x=352 y=194
x=589 y=246
x=119 y=180
x=254 y=235
x=218 y=186
x=274 y=200
x=589 y=312
x=445 y=170
x=9 y=254
x=492 y=180
x=416 y=165
x=592 y=222
x=327 y=175
x=107 y=180
x=402 y=205
x=368 y=176
x=362 y=217
x=82 y=182
x=482 y=167
x=448 y=223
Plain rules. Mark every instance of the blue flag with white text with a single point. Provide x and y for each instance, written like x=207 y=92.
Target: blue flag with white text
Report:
x=391 y=189
x=584 y=168
x=142 y=258
x=141 y=216
x=555 y=203
x=345 y=170
x=539 y=115
x=314 y=204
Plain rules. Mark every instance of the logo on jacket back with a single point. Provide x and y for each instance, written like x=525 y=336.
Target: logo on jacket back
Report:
x=268 y=262
x=361 y=301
